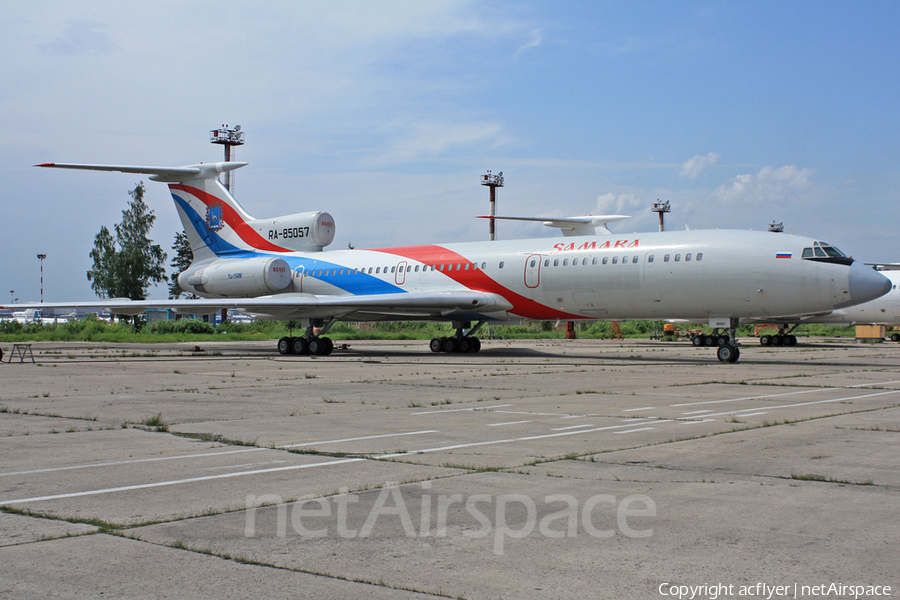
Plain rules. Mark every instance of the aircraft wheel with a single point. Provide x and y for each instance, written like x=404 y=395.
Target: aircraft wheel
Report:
x=476 y=345
x=284 y=345
x=722 y=340
x=778 y=340
x=697 y=340
x=449 y=345
x=329 y=346
x=316 y=347
x=895 y=337
x=464 y=345
x=436 y=344
x=790 y=340
x=728 y=353
x=299 y=346
x=765 y=340
x=709 y=340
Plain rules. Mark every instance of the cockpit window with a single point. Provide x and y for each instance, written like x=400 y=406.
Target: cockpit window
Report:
x=823 y=252
x=832 y=251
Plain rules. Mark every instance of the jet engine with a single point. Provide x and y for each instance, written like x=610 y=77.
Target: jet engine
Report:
x=303 y=232
x=238 y=277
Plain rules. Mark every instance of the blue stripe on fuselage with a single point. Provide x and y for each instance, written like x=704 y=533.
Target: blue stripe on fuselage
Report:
x=356 y=283
x=359 y=284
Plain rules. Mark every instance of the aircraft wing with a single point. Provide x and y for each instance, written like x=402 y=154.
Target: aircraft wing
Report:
x=583 y=225
x=885 y=266
x=440 y=305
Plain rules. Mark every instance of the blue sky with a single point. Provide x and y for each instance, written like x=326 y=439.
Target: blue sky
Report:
x=386 y=114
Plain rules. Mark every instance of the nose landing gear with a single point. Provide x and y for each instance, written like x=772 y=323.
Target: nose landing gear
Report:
x=728 y=351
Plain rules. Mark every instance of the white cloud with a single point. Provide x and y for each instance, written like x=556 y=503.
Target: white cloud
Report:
x=81 y=37
x=536 y=38
x=428 y=139
x=620 y=204
x=694 y=166
x=769 y=185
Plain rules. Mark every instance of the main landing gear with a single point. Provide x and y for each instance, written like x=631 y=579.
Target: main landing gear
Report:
x=724 y=339
x=310 y=343
x=782 y=338
x=463 y=342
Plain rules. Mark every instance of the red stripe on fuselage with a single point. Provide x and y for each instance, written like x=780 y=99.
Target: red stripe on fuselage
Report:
x=477 y=280
x=249 y=235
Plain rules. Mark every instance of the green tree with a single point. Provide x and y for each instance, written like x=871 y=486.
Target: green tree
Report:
x=126 y=266
x=181 y=261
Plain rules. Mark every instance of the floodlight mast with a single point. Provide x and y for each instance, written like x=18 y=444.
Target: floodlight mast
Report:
x=228 y=138
x=493 y=182
x=662 y=208
x=41 y=256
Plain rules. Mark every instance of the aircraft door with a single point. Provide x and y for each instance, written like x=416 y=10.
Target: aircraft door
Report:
x=400 y=274
x=533 y=271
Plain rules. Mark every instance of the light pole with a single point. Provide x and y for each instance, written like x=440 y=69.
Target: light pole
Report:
x=42 y=257
x=493 y=182
x=11 y=294
x=662 y=208
x=228 y=138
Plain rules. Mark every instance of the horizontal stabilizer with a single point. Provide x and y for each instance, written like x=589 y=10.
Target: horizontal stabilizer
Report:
x=164 y=174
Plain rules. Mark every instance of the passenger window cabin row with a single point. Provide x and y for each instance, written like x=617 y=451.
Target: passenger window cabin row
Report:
x=446 y=267
x=596 y=260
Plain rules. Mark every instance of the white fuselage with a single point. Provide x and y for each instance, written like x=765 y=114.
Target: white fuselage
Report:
x=678 y=275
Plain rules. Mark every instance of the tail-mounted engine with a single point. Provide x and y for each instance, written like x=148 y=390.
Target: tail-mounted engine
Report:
x=303 y=232
x=237 y=277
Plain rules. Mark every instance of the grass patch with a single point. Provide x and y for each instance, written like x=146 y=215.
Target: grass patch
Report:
x=823 y=478
x=156 y=422
x=194 y=330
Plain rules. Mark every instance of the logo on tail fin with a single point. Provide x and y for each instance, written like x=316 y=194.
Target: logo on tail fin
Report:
x=214 y=220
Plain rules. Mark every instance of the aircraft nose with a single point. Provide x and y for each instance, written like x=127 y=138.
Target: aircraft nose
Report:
x=866 y=283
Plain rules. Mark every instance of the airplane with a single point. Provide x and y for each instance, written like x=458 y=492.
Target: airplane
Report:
x=277 y=268
x=26 y=317
x=884 y=310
